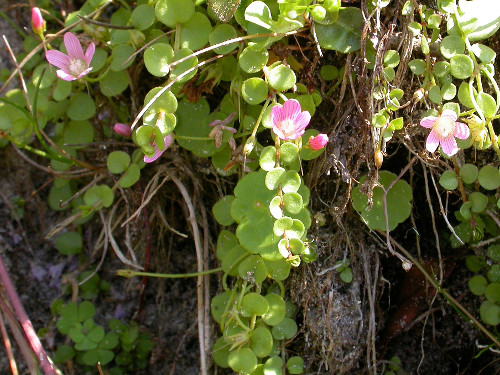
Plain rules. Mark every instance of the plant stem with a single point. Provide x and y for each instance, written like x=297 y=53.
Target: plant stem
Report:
x=31 y=336
x=131 y=273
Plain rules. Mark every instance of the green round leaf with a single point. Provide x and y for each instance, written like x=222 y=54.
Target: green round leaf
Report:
x=282 y=78
x=131 y=176
x=277 y=309
x=253 y=269
x=449 y=180
x=118 y=162
x=157 y=59
x=253 y=58
x=494 y=273
x=492 y=292
x=221 y=33
x=477 y=285
x=479 y=201
x=69 y=243
x=391 y=59
x=254 y=90
x=182 y=67
x=81 y=107
x=293 y=202
x=490 y=313
x=494 y=252
x=273 y=366
x=489 y=177
x=275 y=177
x=114 y=83
x=417 y=66
x=295 y=365
x=435 y=94
x=143 y=17
x=329 y=72
x=195 y=32
x=441 y=68
x=344 y=35
x=262 y=342
x=484 y=53
x=398 y=202
x=285 y=330
x=487 y=104
x=452 y=45
x=220 y=352
x=121 y=53
x=461 y=66
x=242 y=361
x=468 y=173
x=267 y=159
x=218 y=305
x=172 y=12
x=473 y=263
x=222 y=210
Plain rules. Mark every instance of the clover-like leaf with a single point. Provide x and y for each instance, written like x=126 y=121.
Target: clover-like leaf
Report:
x=344 y=35
x=398 y=202
x=261 y=342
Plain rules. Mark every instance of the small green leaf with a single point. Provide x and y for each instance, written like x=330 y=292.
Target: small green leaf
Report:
x=222 y=210
x=461 y=66
x=254 y=90
x=157 y=59
x=281 y=78
x=477 y=285
x=449 y=180
x=417 y=66
x=452 y=45
x=489 y=177
x=118 y=162
x=391 y=59
x=261 y=342
x=69 y=243
x=295 y=365
x=487 y=104
x=490 y=313
x=469 y=173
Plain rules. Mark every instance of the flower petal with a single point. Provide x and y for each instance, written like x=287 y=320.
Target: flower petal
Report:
x=73 y=46
x=449 y=113
x=84 y=73
x=432 y=142
x=89 y=53
x=65 y=76
x=449 y=145
x=58 y=59
x=169 y=139
x=279 y=133
x=428 y=122
x=277 y=114
x=461 y=131
x=291 y=109
x=302 y=120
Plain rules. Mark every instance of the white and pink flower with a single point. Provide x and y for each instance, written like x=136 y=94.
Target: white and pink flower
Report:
x=289 y=121
x=37 y=21
x=75 y=64
x=445 y=129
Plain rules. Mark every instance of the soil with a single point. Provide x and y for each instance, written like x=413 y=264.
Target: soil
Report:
x=342 y=325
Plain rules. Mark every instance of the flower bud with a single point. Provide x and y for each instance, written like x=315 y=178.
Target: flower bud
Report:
x=379 y=158
x=318 y=142
x=37 y=22
x=122 y=129
x=249 y=145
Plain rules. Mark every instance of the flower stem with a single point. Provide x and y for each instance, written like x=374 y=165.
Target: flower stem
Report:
x=131 y=273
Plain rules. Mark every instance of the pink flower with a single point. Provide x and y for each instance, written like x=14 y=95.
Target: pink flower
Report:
x=318 y=142
x=74 y=65
x=122 y=129
x=37 y=21
x=445 y=129
x=289 y=121
x=169 y=139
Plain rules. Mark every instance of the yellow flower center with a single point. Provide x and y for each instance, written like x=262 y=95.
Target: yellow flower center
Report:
x=77 y=66
x=444 y=126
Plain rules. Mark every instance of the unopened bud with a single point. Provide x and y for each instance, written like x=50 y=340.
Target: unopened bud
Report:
x=122 y=129
x=249 y=145
x=418 y=95
x=379 y=158
x=318 y=142
x=37 y=22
